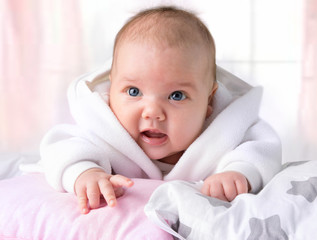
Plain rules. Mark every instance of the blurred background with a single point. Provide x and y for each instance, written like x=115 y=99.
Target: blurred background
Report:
x=45 y=44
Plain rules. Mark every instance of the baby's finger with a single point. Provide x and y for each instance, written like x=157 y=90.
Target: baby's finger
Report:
x=108 y=193
x=121 y=181
x=93 y=195
x=82 y=201
x=217 y=191
x=205 y=189
x=242 y=186
x=118 y=192
x=230 y=190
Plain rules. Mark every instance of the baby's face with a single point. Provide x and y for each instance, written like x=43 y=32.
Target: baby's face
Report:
x=160 y=96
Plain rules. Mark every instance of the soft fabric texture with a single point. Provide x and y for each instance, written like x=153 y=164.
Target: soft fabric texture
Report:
x=285 y=209
x=234 y=138
x=31 y=209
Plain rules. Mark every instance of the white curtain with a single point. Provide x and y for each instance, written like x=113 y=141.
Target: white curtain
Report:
x=308 y=104
x=41 y=51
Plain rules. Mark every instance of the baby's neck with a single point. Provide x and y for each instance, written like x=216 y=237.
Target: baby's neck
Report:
x=172 y=159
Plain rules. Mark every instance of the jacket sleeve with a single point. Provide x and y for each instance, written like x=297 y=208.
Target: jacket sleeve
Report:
x=67 y=151
x=258 y=157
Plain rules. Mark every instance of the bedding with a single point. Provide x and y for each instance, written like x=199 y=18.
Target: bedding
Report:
x=31 y=209
x=10 y=162
x=286 y=208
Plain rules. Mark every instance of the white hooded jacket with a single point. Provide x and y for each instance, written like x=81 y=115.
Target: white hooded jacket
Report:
x=234 y=138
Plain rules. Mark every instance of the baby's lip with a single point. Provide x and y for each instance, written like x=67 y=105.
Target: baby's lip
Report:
x=153 y=137
x=153 y=133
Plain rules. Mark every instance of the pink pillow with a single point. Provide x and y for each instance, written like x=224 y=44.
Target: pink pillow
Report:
x=31 y=209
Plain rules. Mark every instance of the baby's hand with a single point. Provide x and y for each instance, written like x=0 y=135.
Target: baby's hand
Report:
x=225 y=186
x=93 y=183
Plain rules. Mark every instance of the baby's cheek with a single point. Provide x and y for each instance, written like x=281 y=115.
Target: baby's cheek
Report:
x=125 y=122
x=184 y=138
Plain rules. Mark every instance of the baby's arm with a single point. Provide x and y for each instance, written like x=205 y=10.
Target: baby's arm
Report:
x=225 y=186
x=93 y=183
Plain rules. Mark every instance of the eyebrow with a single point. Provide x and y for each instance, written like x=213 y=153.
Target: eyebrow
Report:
x=175 y=84
x=187 y=84
x=128 y=80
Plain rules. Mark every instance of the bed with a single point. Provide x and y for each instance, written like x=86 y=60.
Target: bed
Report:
x=153 y=209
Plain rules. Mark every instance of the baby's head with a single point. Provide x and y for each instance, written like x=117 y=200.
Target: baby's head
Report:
x=163 y=80
x=169 y=27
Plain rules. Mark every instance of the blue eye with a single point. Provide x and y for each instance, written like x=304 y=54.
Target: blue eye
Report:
x=133 y=92
x=177 y=96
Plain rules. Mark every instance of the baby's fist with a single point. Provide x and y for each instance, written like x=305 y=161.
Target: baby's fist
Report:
x=225 y=186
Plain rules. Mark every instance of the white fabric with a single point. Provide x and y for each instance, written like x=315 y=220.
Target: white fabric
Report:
x=284 y=209
x=10 y=162
x=234 y=139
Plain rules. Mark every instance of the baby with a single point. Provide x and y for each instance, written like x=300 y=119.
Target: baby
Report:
x=161 y=91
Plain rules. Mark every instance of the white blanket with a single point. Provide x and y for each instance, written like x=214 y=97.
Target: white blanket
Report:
x=285 y=209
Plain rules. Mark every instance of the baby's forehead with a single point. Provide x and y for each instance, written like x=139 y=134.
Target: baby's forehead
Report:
x=198 y=62
x=192 y=51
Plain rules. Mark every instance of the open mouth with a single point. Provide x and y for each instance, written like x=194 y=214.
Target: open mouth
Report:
x=153 y=137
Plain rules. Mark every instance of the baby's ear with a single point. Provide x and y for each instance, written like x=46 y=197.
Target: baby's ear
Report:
x=214 y=88
x=211 y=96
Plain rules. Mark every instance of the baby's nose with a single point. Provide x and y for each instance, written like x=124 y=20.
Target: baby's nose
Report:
x=153 y=111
